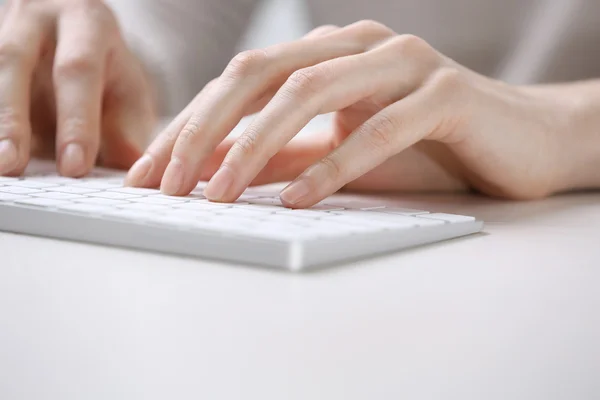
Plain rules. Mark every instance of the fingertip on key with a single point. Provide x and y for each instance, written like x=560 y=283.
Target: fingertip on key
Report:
x=172 y=180
x=220 y=184
x=295 y=192
x=139 y=171
x=9 y=156
x=72 y=161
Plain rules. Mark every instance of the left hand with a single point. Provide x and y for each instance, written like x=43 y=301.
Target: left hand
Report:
x=399 y=104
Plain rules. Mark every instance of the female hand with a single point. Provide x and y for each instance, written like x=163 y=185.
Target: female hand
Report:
x=400 y=106
x=69 y=86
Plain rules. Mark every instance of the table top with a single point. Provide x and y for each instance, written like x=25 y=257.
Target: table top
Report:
x=509 y=313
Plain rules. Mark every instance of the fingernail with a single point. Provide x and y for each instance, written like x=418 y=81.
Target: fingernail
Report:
x=139 y=171
x=72 y=161
x=173 y=179
x=219 y=184
x=295 y=192
x=9 y=156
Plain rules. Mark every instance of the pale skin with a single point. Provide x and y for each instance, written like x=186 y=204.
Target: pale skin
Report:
x=407 y=118
x=69 y=88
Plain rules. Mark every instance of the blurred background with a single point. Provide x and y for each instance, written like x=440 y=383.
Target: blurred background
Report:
x=276 y=21
x=279 y=21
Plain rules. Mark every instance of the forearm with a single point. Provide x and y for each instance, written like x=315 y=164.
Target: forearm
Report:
x=182 y=43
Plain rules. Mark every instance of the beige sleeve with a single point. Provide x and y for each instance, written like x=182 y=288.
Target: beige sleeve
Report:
x=183 y=43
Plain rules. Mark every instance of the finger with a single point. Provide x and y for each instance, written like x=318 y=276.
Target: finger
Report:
x=78 y=75
x=244 y=81
x=285 y=166
x=21 y=40
x=422 y=115
x=327 y=87
x=321 y=30
x=149 y=169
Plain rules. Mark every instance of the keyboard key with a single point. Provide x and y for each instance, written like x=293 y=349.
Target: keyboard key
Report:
x=400 y=211
x=200 y=206
x=117 y=180
x=101 y=202
x=246 y=213
x=371 y=223
x=260 y=207
x=134 y=190
x=325 y=207
x=93 y=184
x=11 y=197
x=247 y=197
x=190 y=214
x=158 y=201
x=354 y=204
x=113 y=195
x=33 y=184
x=8 y=179
x=42 y=202
x=372 y=215
x=71 y=189
x=179 y=198
x=18 y=190
x=266 y=201
x=390 y=221
x=237 y=202
x=451 y=218
x=58 y=195
x=261 y=192
x=302 y=213
x=57 y=179
x=144 y=207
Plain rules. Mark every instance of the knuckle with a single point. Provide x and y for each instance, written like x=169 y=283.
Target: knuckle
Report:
x=247 y=63
x=190 y=131
x=447 y=81
x=97 y=9
x=410 y=46
x=73 y=126
x=76 y=65
x=380 y=131
x=333 y=168
x=9 y=119
x=373 y=27
x=246 y=145
x=307 y=81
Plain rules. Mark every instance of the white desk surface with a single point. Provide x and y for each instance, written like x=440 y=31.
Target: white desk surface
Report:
x=513 y=313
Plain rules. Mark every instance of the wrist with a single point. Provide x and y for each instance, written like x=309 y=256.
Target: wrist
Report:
x=575 y=110
x=582 y=136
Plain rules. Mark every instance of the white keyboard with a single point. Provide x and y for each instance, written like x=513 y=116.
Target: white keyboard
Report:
x=256 y=229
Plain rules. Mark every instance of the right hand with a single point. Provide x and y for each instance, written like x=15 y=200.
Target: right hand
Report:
x=69 y=88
